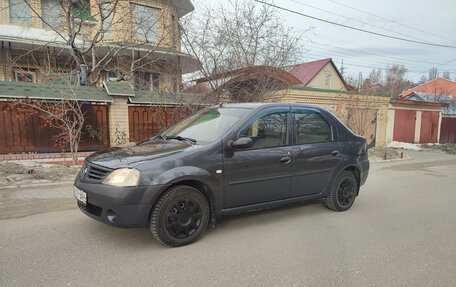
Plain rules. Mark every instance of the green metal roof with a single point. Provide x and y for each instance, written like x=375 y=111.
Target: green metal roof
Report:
x=149 y=97
x=46 y=91
x=51 y=91
x=119 y=89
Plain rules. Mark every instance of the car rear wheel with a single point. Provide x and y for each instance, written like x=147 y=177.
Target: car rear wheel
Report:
x=180 y=216
x=343 y=192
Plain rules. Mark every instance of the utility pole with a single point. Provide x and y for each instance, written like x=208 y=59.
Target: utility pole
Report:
x=342 y=68
x=360 y=80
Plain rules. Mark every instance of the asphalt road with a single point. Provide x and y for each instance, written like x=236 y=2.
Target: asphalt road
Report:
x=401 y=231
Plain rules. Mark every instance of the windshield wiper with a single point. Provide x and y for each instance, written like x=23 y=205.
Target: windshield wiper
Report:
x=180 y=138
x=159 y=136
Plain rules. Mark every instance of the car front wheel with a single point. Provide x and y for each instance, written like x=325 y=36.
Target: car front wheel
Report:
x=180 y=216
x=343 y=192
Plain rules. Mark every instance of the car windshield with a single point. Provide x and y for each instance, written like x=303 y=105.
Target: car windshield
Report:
x=207 y=125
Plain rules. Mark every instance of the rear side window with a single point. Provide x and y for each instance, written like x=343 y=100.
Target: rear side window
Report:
x=267 y=131
x=311 y=127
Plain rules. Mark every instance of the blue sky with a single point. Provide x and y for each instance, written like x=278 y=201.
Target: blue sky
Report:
x=428 y=21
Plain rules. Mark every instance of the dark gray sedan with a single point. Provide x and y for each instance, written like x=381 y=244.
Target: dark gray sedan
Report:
x=224 y=160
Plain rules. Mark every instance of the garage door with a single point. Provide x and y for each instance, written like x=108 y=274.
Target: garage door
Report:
x=429 y=127
x=404 y=126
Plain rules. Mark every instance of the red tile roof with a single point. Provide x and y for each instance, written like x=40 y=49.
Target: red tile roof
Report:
x=305 y=72
x=417 y=103
x=437 y=86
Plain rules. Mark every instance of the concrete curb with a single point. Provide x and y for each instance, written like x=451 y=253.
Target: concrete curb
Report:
x=37 y=185
x=392 y=160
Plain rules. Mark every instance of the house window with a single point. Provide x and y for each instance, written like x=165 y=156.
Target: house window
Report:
x=107 y=15
x=146 y=22
x=51 y=13
x=173 y=31
x=112 y=76
x=80 y=9
x=328 y=81
x=20 y=12
x=147 y=81
x=25 y=76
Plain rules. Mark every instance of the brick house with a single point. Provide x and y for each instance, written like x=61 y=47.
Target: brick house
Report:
x=36 y=62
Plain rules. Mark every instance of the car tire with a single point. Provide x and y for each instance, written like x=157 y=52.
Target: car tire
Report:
x=343 y=192
x=180 y=216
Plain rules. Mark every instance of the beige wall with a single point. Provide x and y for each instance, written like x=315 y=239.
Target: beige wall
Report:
x=169 y=35
x=319 y=81
x=118 y=121
x=340 y=101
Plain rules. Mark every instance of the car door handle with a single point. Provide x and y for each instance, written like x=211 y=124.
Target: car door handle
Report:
x=335 y=152
x=285 y=159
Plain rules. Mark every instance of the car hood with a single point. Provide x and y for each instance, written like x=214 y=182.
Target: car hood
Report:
x=130 y=156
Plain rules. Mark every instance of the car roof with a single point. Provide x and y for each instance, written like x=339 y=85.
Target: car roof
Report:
x=264 y=105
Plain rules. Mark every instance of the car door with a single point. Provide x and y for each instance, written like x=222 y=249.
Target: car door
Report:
x=315 y=152
x=261 y=173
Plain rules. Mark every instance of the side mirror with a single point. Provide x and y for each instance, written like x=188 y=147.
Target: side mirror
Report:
x=241 y=143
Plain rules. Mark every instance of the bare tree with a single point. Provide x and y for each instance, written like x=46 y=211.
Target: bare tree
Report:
x=360 y=113
x=446 y=75
x=395 y=80
x=104 y=35
x=240 y=34
x=65 y=115
x=433 y=74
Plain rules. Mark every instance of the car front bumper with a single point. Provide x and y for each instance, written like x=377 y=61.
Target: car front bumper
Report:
x=126 y=207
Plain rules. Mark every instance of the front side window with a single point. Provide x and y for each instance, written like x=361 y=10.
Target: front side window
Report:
x=146 y=22
x=311 y=127
x=207 y=125
x=267 y=131
x=20 y=12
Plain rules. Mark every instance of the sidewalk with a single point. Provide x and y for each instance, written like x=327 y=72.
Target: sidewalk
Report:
x=43 y=156
x=19 y=202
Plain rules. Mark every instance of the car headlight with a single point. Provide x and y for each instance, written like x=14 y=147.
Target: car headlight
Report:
x=123 y=177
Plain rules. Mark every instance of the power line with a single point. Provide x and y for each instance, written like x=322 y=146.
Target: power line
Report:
x=414 y=63
x=371 y=65
x=355 y=28
x=353 y=19
x=393 y=21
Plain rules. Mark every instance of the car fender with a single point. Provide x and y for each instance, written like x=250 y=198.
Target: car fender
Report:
x=214 y=182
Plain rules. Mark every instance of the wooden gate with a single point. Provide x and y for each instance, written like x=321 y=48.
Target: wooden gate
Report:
x=363 y=122
x=147 y=121
x=429 y=127
x=21 y=132
x=448 y=131
x=404 y=126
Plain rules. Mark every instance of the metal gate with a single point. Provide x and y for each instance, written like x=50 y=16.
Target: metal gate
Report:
x=147 y=121
x=448 y=130
x=21 y=132
x=429 y=127
x=404 y=126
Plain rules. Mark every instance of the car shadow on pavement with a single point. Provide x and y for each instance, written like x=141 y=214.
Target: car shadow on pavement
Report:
x=139 y=238
x=272 y=215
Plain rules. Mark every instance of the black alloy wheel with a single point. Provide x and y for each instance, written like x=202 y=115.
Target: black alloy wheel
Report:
x=343 y=192
x=180 y=216
x=184 y=218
